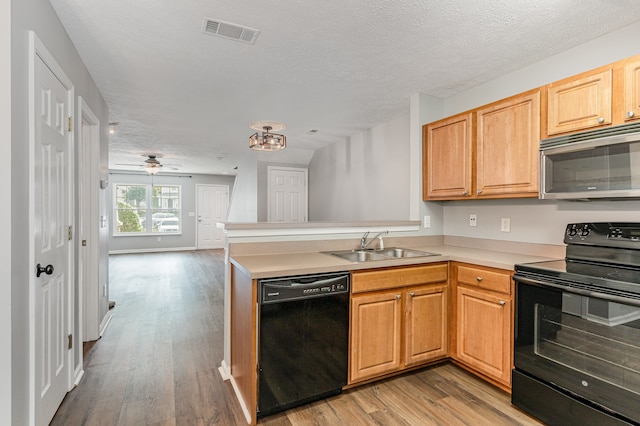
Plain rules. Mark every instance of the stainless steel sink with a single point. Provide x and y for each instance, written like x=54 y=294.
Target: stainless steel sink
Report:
x=379 y=254
x=359 y=255
x=403 y=252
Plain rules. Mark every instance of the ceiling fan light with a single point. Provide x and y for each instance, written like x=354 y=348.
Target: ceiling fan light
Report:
x=152 y=169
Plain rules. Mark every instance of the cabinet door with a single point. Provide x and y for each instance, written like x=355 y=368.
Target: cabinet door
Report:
x=447 y=153
x=375 y=334
x=425 y=323
x=484 y=332
x=579 y=103
x=507 y=144
x=632 y=91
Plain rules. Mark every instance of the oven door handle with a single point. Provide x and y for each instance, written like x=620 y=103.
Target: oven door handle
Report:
x=582 y=292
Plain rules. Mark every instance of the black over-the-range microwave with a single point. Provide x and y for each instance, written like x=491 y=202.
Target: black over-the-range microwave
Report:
x=603 y=163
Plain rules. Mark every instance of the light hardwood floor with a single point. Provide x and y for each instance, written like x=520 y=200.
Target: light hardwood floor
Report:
x=157 y=364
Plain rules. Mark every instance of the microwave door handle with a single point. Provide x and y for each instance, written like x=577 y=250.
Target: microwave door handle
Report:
x=581 y=292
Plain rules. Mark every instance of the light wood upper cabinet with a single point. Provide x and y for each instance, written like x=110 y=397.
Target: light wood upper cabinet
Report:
x=631 y=89
x=447 y=151
x=507 y=143
x=579 y=103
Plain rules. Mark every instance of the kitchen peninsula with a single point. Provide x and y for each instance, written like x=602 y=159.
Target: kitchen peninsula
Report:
x=465 y=269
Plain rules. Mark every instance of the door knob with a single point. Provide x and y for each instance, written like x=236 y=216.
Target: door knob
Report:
x=46 y=269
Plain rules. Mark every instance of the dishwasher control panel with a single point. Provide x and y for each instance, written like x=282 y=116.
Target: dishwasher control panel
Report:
x=279 y=290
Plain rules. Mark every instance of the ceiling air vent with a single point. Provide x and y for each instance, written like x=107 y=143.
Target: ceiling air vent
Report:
x=231 y=31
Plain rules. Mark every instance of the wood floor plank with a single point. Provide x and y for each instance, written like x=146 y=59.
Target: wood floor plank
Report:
x=157 y=364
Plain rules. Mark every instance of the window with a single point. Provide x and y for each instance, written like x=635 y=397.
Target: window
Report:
x=147 y=209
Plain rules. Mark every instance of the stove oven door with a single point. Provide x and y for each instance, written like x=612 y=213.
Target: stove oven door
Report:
x=583 y=344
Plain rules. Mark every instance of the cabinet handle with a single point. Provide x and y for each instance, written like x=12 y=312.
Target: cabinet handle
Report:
x=479 y=279
x=502 y=303
x=601 y=120
x=398 y=297
x=630 y=114
x=412 y=294
x=479 y=191
x=465 y=193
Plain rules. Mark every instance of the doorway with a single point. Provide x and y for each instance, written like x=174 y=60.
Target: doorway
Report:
x=87 y=243
x=212 y=205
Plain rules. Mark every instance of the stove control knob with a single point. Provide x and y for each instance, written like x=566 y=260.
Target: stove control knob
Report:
x=585 y=232
x=573 y=232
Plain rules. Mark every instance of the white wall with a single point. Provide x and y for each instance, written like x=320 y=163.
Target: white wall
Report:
x=5 y=214
x=36 y=15
x=187 y=238
x=364 y=178
x=243 y=201
x=534 y=220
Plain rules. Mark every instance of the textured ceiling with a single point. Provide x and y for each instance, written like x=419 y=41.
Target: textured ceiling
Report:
x=338 y=66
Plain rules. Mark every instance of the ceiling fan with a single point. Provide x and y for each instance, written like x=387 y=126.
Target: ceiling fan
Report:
x=151 y=165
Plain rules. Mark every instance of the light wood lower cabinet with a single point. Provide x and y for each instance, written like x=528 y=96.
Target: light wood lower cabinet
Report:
x=375 y=334
x=482 y=315
x=484 y=331
x=425 y=324
x=399 y=327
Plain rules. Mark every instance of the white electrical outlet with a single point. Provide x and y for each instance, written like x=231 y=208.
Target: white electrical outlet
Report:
x=426 y=222
x=505 y=224
x=473 y=220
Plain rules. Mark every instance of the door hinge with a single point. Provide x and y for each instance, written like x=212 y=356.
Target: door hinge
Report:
x=70 y=232
x=70 y=123
x=70 y=346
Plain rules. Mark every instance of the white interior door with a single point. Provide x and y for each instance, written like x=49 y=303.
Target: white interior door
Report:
x=52 y=158
x=212 y=207
x=287 y=190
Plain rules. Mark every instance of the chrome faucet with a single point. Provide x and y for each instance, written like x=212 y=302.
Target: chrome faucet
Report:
x=364 y=243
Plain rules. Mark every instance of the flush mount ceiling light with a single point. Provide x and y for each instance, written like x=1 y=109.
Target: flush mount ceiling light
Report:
x=112 y=128
x=267 y=141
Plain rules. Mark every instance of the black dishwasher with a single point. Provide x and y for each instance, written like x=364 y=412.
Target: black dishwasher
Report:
x=303 y=340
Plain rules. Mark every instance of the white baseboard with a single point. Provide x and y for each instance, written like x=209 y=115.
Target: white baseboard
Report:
x=151 y=250
x=78 y=376
x=245 y=410
x=224 y=371
x=105 y=323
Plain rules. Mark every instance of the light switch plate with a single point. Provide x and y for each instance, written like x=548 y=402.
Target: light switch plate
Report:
x=505 y=224
x=426 y=222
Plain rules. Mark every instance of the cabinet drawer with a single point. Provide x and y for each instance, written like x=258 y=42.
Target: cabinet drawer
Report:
x=493 y=280
x=393 y=278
